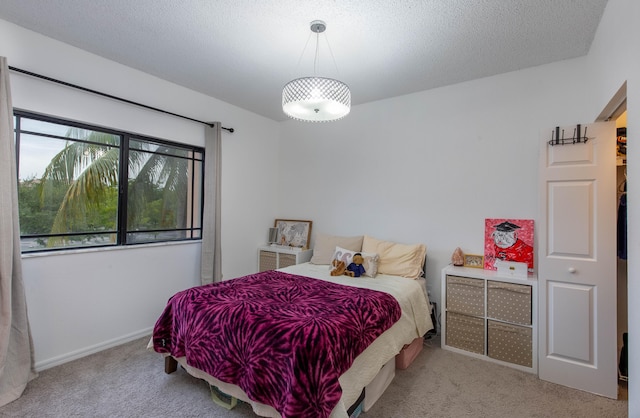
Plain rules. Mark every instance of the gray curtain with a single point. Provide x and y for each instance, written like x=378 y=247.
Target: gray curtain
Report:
x=16 y=346
x=211 y=258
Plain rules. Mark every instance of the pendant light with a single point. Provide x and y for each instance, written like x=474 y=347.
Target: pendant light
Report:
x=316 y=99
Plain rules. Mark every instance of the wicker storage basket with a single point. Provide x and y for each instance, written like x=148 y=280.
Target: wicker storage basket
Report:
x=268 y=260
x=510 y=343
x=465 y=295
x=287 y=260
x=465 y=332
x=509 y=302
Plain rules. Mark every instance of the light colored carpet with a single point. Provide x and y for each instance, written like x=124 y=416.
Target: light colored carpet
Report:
x=129 y=381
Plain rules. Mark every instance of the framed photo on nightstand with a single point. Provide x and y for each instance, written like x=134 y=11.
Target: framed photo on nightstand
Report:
x=293 y=233
x=474 y=260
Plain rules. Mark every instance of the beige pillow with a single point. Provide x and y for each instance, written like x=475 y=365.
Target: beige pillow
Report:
x=325 y=245
x=397 y=259
x=370 y=260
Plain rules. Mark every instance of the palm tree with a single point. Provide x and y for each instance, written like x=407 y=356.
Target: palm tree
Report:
x=88 y=169
x=152 y=172
x=88 y=166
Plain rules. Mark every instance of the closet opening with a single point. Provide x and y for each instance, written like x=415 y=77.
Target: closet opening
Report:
x=616 y=110
x=621 y=231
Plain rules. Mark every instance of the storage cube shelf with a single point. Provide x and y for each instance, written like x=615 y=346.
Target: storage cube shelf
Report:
x=489 y=316
x=273 y=257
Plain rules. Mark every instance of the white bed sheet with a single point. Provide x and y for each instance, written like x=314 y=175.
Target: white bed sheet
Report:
x=414 y=322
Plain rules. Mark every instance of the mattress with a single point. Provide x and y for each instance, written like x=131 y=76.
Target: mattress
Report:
x=379 y=384
x=414 y=322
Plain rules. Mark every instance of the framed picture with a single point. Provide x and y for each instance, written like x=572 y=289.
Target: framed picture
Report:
x=508 y=240
x=474 y=260
x=293 y=233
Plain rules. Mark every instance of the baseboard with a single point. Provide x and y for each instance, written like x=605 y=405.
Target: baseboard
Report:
x=74 y=355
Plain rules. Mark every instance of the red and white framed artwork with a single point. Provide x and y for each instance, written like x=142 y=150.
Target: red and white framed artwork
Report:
x=508 y=240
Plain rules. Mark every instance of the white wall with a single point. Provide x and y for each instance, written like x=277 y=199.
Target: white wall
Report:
x=81 y=302
x=430 y=167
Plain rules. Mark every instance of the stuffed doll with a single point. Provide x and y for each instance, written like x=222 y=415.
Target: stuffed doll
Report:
x=356 y=269
x=338 y=267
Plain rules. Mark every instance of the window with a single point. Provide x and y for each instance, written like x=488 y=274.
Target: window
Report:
x=75 y=191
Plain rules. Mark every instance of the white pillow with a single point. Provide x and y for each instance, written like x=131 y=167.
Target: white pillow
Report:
x=370 y=262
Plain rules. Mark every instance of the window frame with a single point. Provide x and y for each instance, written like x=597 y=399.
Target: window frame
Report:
x=197 y=155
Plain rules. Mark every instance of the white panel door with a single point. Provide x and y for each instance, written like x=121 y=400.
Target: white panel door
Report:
x=577 y=261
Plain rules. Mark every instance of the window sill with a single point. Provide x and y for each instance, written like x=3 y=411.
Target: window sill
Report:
x=103 y=249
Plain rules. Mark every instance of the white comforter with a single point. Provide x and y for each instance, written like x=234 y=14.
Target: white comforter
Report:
x=414 y=322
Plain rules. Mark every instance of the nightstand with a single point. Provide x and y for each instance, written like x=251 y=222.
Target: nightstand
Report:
x=271 y=257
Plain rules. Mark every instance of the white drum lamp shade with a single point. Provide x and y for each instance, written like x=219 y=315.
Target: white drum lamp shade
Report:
x=316 y=99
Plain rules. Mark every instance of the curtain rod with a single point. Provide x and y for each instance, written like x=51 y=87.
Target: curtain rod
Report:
x=75 y=86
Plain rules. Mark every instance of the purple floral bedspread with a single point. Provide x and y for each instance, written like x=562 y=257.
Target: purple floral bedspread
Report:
x=284 y=339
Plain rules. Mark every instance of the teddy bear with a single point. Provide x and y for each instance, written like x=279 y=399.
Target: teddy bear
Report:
x=338 y=267
x=355 y=268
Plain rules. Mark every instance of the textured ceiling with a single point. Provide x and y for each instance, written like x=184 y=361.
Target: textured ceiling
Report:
x=244 y=51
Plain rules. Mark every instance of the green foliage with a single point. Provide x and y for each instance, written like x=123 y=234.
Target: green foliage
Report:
x=36 y=215
x=158 y=193
x=78 y=191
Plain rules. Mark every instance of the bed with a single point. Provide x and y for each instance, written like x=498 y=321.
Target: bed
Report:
x=354 y=327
